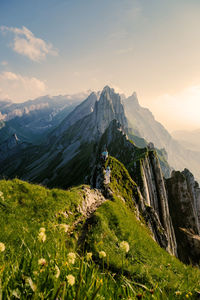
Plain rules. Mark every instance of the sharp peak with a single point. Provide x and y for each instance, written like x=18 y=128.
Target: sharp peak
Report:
x=108 y=89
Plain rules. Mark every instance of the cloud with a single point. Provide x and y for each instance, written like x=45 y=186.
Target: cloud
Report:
x=4 y=63
x=19 y=88
x=25 y=43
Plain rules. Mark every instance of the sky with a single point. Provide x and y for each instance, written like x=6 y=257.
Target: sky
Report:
x=68 y=46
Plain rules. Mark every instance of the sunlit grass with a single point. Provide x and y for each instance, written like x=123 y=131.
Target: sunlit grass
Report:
x=41 y=256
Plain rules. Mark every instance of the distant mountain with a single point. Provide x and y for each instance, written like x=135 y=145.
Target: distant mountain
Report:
x=31 y=119
x=189 y=139
x=143 y=124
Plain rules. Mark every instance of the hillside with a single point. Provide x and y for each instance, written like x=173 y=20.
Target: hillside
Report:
x=28 y=210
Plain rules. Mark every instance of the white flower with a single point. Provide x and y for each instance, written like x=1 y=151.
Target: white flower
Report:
x=102 y=254
x=42 y=262
x=42 y=229
x=70 y=279
x=124 y=246
x=71 y=257
x=42 y=236
x=57 y=274
x=64 y=227
x=89 y=256
x=2 y=247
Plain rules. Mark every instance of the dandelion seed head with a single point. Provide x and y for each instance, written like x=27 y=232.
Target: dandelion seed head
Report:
x=102 y=254
x=70 y=279
x=124 y=246
x=71 y=257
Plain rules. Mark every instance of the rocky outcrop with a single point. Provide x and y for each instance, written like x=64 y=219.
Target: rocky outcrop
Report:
x=151 y=182
x=183 y=198
x=144 y=168
x=92 y=199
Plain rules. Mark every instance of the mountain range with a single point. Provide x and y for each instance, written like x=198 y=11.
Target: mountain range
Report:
x=111 y=153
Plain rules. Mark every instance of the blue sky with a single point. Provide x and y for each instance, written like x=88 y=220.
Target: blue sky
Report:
x=67 y=46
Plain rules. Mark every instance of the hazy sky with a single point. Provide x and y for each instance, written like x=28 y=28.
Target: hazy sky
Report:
x=67 y=46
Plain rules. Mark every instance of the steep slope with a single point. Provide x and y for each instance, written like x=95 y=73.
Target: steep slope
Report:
x=144 y=168
x=85 y=108
x=44 y=233
x=144 y=125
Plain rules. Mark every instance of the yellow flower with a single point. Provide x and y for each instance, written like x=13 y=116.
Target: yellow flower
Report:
x=89 y=256
x=71 y=257
x=42 y=229
x=187 y=296
x=124 y=246
x=2 y=247
x=57 y=274
x=42 y=236
x=64 y=227
x=102 y=254
x=42 y=262
x=70 y=279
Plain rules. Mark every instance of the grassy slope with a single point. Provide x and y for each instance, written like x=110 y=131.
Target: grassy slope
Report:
x=25 y=208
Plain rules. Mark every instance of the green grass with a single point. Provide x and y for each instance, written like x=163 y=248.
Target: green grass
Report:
x=146 y=263
x=145 y=270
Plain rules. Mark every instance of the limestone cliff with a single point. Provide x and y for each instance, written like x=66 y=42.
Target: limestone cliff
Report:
x=144 y=168
x=184 y=201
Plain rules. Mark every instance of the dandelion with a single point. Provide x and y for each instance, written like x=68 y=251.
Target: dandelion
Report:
x=42 y=262
x=102 y=254
x=124 y=246
x=64 y=227
x=42 y=236
x=70 y=279
x=89 y=256
x=57 y=274
x=2 y=247
x=71 y=257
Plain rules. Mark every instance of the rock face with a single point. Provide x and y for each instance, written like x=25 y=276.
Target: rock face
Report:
x=153 y=190
x=183 y=197
x=144 y=168
x=82 y=110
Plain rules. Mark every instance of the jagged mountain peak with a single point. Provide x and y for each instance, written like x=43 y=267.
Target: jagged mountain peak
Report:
x=133 y=99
